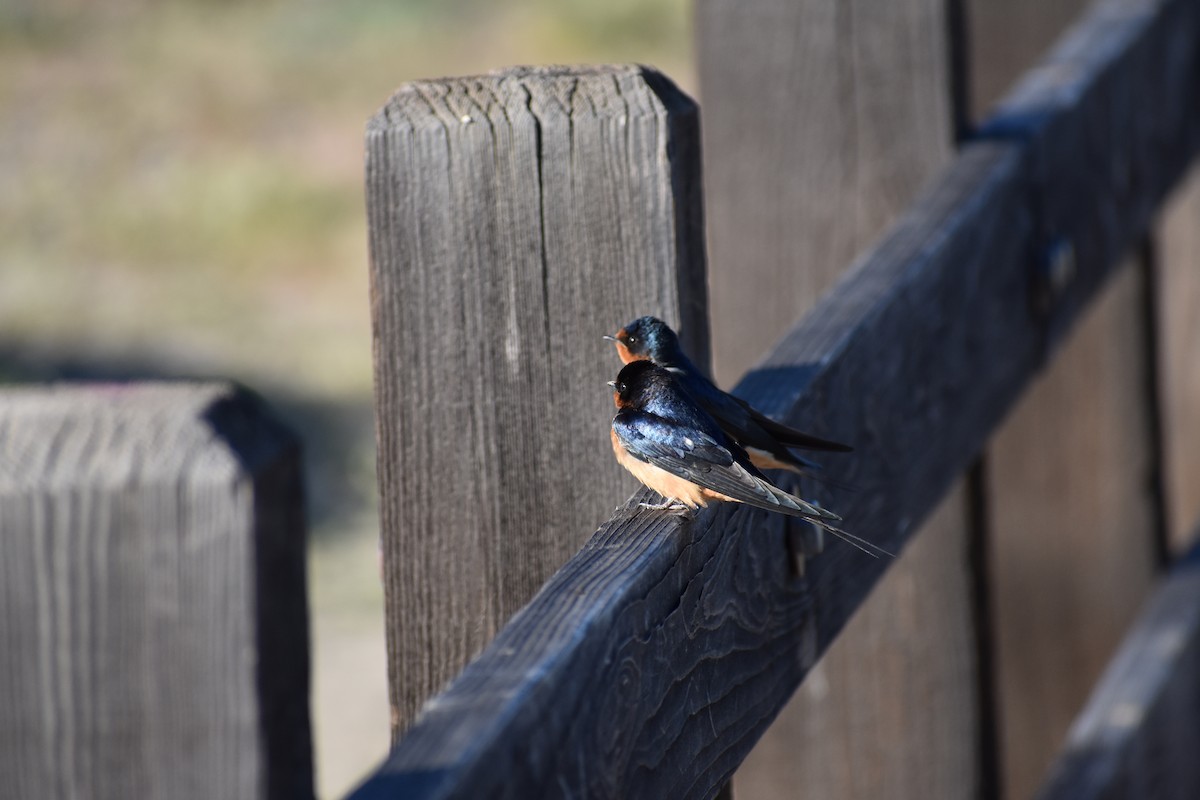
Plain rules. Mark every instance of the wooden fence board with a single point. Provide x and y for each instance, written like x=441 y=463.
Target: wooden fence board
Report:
x=153 y=630
x=1072 y=517
x=852 y=728
x=1179 y=335
x=1139 y=734
x=823 y=118
x=515 y=218
x=651 y=663
x=1109 y=129
x=1073 y=550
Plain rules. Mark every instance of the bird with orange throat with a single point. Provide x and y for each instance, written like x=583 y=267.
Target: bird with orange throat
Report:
x=765 y=441
x=673 y=446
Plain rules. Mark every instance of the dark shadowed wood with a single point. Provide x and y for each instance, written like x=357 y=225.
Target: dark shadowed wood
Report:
x=1139 y=735
x=153 y=621
x=823 y=118
x=1072 y=517
x=1179 y=335
x=515 y=218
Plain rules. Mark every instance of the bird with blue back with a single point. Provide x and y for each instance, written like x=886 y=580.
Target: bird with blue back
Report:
x=766 y=441
x=666 y=440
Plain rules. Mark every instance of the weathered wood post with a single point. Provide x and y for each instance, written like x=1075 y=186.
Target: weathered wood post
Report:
x=153 y=621
x=823 y=120
x=515 y=218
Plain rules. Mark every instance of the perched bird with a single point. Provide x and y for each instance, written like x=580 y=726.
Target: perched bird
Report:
x=764 y=440
x=674 y=447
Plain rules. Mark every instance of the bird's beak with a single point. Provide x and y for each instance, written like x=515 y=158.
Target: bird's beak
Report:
x=612 y=384
x=609 y=337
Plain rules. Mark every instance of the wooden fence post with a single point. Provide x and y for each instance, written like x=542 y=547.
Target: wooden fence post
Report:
x=153 y=622
x=823 y=119
x=1071 y=517
x=514 y=219
x=1178 y=303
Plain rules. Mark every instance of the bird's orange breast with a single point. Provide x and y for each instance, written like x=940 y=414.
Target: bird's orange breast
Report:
x=670 y=486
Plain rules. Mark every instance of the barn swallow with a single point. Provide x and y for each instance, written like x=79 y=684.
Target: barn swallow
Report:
x=765 y=440
x=669 y=443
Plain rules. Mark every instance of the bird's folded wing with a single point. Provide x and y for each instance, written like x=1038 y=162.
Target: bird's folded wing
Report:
x=790 y=436
x=698 y=457
x=751 y=428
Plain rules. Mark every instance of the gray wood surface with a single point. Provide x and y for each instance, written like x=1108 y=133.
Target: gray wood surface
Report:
x=651 y=663
x=1073 y=550
x=153 y=621
x=1007 y=37
x=654 y=659
x=1071 y=512
x=1178 y=251
x=823 y=118
x=890 y=710
x=1139 y=734
x=515 y=218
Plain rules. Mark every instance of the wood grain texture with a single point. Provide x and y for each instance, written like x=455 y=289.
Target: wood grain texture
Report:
x=1073 y=552
x=1072 y=514
x=153 y=622
x=637 y=649
x=1107 y=132
x=515 y=218
x=1139 y=734
x=1178 y=237
x=822 y=121
x=855 y=727
x=652 y=662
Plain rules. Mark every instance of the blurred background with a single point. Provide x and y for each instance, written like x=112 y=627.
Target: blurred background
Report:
x=181 y=195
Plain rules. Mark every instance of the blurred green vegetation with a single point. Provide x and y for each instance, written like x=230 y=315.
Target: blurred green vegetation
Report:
x=195 y=167
x=181 y=194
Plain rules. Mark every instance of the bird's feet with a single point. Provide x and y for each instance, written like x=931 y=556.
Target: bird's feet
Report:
x=666 y=505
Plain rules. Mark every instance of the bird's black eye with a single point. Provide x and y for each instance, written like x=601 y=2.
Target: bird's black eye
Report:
x=633 y=340
x=621 y=388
